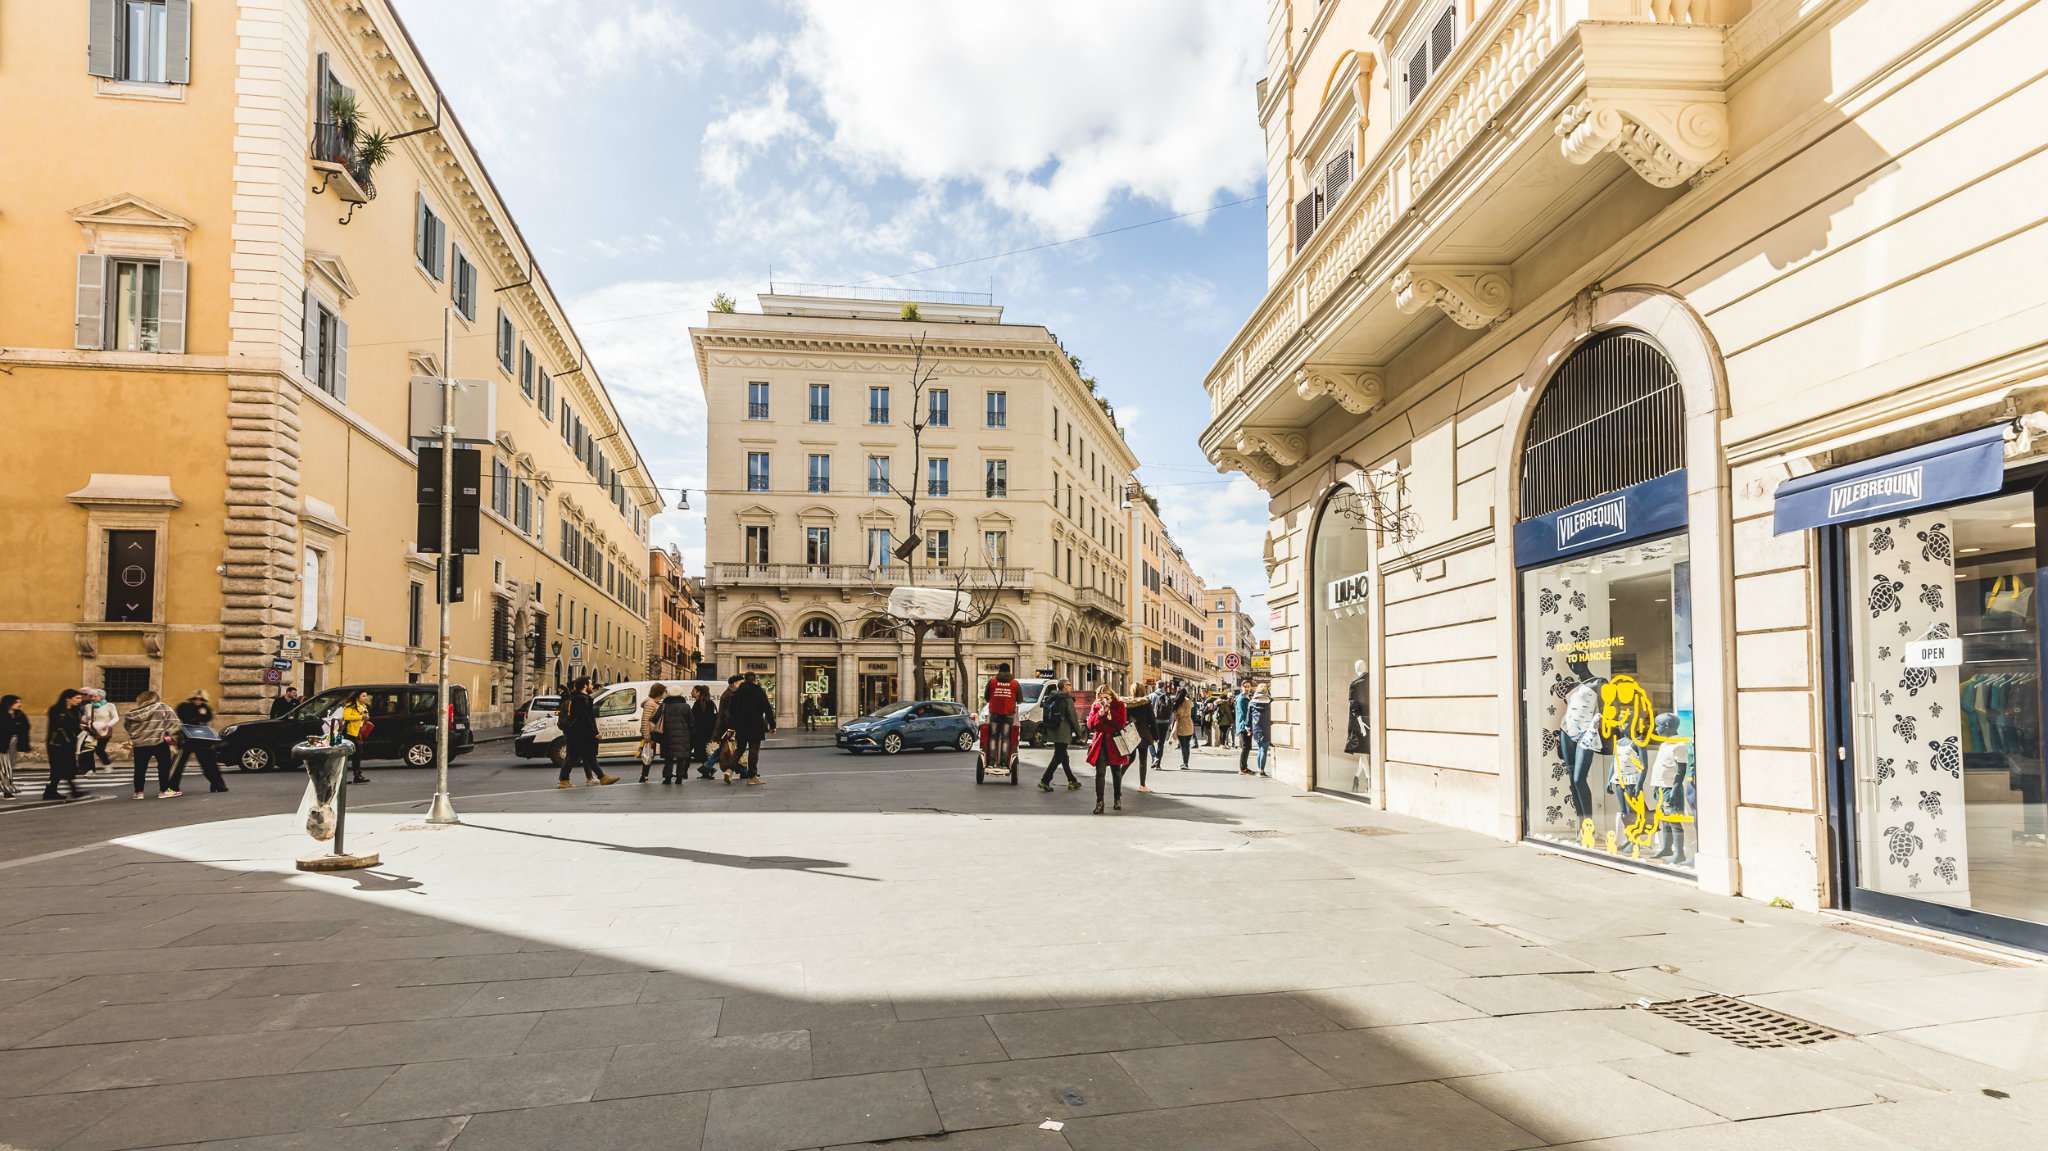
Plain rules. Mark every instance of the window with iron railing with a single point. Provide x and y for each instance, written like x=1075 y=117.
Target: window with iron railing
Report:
x=757 y=400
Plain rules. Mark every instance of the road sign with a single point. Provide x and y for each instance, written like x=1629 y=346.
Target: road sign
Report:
x=575 y=653
x=1262 y=662
x=290 y=644
x=272 y=675
x=1232 y=661
x=280 y=664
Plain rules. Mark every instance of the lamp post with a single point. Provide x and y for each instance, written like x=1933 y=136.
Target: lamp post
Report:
x=443 y=811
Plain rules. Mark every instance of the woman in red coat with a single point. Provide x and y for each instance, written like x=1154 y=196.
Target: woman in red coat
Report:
x=1105 y=719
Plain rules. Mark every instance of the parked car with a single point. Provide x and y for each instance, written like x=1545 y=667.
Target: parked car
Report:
x=533 y=709
x=912 y=723
x=618 y=720
x=401 y=726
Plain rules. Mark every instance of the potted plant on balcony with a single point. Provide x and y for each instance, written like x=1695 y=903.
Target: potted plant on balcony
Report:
x=340 y=140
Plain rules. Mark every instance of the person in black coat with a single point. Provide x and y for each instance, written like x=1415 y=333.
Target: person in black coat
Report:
x=751 y=717
x=579 y=735
x=14 y=733
x=703 y=726
x=675 y=737
x=285 y=702
x=197 y=711
x=60 y=741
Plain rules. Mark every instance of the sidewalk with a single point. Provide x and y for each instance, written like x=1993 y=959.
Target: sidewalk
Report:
x=878 y=949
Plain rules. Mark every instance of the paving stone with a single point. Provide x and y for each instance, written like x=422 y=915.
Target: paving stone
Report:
x=13 y=991
x=977 y=997
x=670 y=1122
x=309 y=978
x=853 y=1048
x=630 y=1024
x=1022 y=1137
x=138 y=987
x=1386 y=1005
x=1031 y=1090
x=412 y=1135
x=1076 y=1030
x=521 y=995
x=420 y=1041
x=1584 y=1101
x=130 y=1021
x=1816 y=1132
x=1222 y=1072
x=44 y=1122
x=1524 y=994
x=1547 y=1040
x=1746 y=1084
x=154 y=1062
x=467 y=1086
x=704 y=1064
x=1379 y=1056
x=1216 y=1127
x=493 y=968
x=1410 y=1116
x=749 y=1013
x=2017 y=1044
x=289 y=931
x=793 y=1116
x=230 y=1109
x=1239 y=1017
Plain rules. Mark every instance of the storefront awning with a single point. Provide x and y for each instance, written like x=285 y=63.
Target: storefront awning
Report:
x=1956 y=468
x=1650 y=508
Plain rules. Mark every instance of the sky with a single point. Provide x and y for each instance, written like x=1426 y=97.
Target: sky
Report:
x=656 y=152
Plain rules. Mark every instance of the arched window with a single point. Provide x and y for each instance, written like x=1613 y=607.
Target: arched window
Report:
x=1612 y=416
x=998 y=629
x=877 y=627
x=756 y=626
x=818 y=627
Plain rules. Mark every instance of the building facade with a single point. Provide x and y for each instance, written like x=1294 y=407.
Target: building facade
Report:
x=1169 y=631
x=1230 y=634
x=1019 y=470
x=671 y=644
x=1649 y=397
x=214 y=308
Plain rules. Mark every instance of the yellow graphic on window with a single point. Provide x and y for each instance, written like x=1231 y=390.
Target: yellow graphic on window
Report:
x=1628 y=719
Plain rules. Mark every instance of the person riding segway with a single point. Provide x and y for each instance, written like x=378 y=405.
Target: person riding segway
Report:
x=999 y=733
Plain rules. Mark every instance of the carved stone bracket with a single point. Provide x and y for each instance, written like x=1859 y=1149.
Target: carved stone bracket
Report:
x=1284 y=448
x=1473 y=296
x=1262 y=471
x=1357 y=394
x=1666 y=141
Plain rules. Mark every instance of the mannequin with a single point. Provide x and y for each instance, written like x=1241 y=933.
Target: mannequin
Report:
x=1581 y=737
x=1358 y=725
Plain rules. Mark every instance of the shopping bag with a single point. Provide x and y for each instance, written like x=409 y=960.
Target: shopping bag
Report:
x=646 y=753
x=1126 y=740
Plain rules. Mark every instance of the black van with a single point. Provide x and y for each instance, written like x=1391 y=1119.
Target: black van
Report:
x=401 y=719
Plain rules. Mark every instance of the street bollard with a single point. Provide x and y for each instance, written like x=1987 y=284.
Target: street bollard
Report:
x=327 y=774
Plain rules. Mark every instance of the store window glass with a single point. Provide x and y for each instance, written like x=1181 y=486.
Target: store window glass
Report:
x=1343 y=638
x=1945 y=696
x=1608 y=698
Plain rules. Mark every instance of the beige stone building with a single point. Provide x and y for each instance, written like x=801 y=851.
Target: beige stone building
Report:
x=1649 y=394
x=1020 y=473
x=210 y=311
x=1230 y=633
x=1169 y=631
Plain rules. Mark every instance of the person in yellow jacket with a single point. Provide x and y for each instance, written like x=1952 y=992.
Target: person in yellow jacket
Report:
x=355 y=716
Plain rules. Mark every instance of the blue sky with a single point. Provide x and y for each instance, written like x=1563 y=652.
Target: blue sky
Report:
x=658 y=151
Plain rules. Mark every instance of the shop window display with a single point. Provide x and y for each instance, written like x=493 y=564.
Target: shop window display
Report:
x=1607 y=688
x=1343 y=637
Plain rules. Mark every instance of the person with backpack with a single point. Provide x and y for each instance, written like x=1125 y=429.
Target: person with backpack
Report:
x=1139 y=713
x=752 y=717
x=1001 y=697
x=1241 y=727
x=1183 y=722
x=674 y=738
x=1061 y=726
x=1259 y=725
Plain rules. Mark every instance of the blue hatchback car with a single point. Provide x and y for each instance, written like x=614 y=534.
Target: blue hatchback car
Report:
x=912 y=723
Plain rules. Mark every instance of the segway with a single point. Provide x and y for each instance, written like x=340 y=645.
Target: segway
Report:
x=983 y=756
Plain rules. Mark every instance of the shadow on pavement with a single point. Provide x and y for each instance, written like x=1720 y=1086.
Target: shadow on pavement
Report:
x=709 y=858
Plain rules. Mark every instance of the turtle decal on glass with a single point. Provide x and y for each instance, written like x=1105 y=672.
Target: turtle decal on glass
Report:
x=1935 y=544
x=1916 y=678
x=1901 y=843
x=1578 y=601
x=1884 y=768
x=1948 y=756
x=1582 y=634
x=1905 y=727
x=1553 y=814
x=1930 y=802
x=1546 y=603
x=1884 y=594
x=1940 y=630
x=1930 y=594
x=1945 y=869
x=1550 y=738
x=1881 y=541
x=1552 y=638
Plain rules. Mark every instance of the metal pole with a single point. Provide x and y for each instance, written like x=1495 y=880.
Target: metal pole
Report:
x=442 y=810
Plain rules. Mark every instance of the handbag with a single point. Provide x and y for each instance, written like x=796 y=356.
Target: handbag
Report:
x=1126 y=741
x=198 y=733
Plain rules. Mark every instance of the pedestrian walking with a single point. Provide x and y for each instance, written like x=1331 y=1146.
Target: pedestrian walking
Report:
x=1219 y=719
x=1107 y=719
x=100 y=718
x=809 y=712
x=151 y=729
x=1060 y=727
x=721 y=730
x=1183 y=724
x=1241 y=727
x=703 y=726
x=579 y=736
x=198 y=741
x=285 y=702
x=650 y=728
x=675 y=737
x=751 y=717
x=1259 y=727
x=14 y=736
x=64 y=723
x=1140 y=717
x=357 y=725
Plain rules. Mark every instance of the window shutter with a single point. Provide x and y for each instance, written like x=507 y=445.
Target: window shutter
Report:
x=419 y=226
x=178 y=41
x=454 y=281
x=170 y=308
x=341 y=359
x=100 y=48
x=1337 y=177
x=1443 y=38
x=309 y=339
x=1304 y=220
x=90 y=330
x=1418 y=71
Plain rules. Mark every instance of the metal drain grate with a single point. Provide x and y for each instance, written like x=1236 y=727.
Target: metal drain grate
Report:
x=1743 y=1024
x=1372 y=831
x=1260 y=833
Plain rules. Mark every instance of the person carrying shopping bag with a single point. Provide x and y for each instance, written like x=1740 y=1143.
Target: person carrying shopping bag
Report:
x=650 y=728
x=1111 y=741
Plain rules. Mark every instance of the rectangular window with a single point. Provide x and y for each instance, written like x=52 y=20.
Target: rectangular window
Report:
x=938 y=547
x=138 y=298
x=999 y=409
x=880 y=548
x=568 y=425
x=131 y=577
x=526 y=369
x=506 y=337
x=995 y=548
x=522 y=506
x=939 y=412
x=1426 y=51
x=462 y=290
x=145 y=35
x=547 y=395
x=938 y=477
x=878 y=475
x=326 y=348
x=757 y=400
x=817 y=546
x=821 y=403
x=501 y=488
x=818 y=473
x=429 y=239
x=415 y=614
x=996 y=479
x=878 y=405
x=757 y=471
x=756 y=551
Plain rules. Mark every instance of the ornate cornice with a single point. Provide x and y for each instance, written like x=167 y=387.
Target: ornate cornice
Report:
x=1472 y=295
x=1357 y=394
x=1667 y=142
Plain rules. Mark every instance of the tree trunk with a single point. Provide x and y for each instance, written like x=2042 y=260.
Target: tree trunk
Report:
x=917 y=635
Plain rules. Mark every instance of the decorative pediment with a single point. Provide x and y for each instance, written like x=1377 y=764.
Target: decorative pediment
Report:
x=1473 y=296
x=115 y=490
x=995 y=520
x=329 y=267
x=506 y=442
x=751 y=514
x=425 y=364
x=1356 y=392
x=132 y=224
x=817 y=512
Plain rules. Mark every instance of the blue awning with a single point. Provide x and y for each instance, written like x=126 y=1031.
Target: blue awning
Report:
x=1650 y=508
x=1942 y=472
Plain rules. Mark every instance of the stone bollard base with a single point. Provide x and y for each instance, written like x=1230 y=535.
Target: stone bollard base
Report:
x=333 y=862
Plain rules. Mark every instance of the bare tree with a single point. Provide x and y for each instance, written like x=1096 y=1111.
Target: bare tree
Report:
x=882 y=570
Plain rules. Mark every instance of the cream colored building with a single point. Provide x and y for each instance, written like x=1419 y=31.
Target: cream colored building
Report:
x=1020 y=474
x=1169 y=630
x=207 y=329
x=1230 y=633
x=1589 y=328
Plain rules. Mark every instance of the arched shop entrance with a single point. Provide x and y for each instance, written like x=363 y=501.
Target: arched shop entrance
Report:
x=1604 y=575
x=1342 y=612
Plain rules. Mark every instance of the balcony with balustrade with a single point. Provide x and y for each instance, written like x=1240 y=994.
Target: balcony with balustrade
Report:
x=1548 y=118
x=1102 y=604
x=787 y=576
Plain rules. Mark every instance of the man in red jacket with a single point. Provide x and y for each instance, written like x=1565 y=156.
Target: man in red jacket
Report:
x=1001 y=697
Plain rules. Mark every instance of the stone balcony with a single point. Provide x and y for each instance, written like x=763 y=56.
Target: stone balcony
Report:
x=1102 y=604
x=1544 y=106
x=861 y=576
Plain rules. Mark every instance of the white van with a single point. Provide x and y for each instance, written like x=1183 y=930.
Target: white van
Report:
x=618 y=720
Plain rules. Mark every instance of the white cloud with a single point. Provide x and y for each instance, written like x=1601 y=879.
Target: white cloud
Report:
x=1222 y=528
x=1054 y=110
x=732 y=139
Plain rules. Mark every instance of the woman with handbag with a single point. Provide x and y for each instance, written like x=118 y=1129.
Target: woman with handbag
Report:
x=1111 y=740
x=650 y=728
x=356 y=725
x=60 y=740
x=703 y=717
x=197 y=712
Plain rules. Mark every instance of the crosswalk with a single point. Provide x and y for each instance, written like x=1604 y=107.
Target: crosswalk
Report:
x=107 y=782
